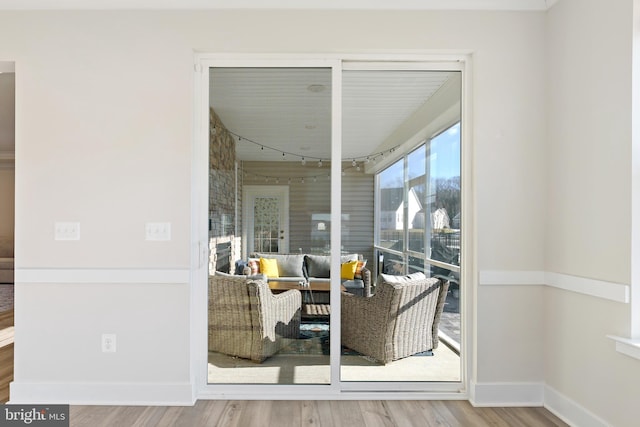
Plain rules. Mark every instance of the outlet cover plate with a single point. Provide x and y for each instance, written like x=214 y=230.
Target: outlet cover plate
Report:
x=108 y=343
x=67 y=231
x=158 y=231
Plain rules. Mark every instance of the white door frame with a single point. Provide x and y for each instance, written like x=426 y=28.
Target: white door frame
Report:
x=249 y=193
x=335 y=390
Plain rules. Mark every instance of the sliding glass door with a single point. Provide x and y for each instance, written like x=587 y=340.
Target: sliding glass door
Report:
x=401 y=132
x=270 y=201
x=325 y=183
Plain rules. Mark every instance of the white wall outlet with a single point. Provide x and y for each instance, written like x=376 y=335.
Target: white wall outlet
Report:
x=158 y=231
x=108 y=343
x=67 y=231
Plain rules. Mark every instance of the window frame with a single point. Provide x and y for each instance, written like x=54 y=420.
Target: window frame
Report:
x=339 y=62
x=406 y=252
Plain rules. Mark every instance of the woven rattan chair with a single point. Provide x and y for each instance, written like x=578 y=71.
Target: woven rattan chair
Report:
x=399 y=320
x=247 y=320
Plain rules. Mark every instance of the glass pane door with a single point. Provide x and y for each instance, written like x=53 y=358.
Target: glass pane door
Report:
x=266 y=218
x=270 y=199
x=400 y=318
x=266 y=225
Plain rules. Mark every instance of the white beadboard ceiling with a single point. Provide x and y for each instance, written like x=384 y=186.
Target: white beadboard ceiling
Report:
x=274 y=111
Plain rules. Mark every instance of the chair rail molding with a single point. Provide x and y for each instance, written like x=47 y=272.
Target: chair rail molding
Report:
x=618 y=292
x=102 y=275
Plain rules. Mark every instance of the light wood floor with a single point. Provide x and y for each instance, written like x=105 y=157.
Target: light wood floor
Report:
x=6 y=354
x=385 y=413
x=221 y=413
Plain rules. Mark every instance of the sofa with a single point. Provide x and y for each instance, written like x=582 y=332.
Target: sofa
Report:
x=6 y=260
x=309 y=267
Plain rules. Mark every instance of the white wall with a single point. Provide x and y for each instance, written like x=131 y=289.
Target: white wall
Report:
x=589 y=204
x=104 y=121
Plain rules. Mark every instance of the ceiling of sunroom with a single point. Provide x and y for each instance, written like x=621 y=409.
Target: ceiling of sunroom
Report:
x=272 y=111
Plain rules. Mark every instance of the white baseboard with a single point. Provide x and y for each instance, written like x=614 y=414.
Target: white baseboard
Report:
x=506 y=394
x=569 y=411
x=533 y=394
x=147 y=394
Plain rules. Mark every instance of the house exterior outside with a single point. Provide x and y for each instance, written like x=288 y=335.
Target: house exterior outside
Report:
x=392 y=209
x=104 y=131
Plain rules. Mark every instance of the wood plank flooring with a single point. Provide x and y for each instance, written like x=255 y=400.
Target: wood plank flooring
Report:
x=351 y=413
x=6 y=353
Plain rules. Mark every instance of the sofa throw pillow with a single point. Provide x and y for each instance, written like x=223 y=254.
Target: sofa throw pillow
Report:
x=254 y=265
x=289 y=265
x=240 y=266
x=269 y=267
x=318 y=266
x=361 y=265
x=348 y=270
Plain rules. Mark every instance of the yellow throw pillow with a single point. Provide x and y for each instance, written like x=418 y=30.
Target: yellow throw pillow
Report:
x=348 y=270
x=269 y=267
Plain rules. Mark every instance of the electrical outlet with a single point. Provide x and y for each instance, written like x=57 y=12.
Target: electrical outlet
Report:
x=108 y=343
x=158 y=231
x=67 y=231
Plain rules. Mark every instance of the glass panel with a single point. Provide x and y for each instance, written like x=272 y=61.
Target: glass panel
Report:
x=418 y=265
x=388 y=119
x=266 y=223
x=392 y=263
x=391 y=224
x=444 y=168
x=270 y=161
x=416 y=197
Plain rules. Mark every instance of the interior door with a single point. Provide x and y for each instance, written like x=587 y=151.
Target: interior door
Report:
x=266 y=216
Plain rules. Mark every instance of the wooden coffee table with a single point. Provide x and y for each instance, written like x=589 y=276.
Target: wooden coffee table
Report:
x=281 y=286
x=313 y=308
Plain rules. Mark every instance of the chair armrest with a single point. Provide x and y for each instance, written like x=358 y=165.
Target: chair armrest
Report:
x=290 y=297
x=285 y=306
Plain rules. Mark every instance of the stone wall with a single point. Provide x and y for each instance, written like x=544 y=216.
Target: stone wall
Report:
x=224 y=191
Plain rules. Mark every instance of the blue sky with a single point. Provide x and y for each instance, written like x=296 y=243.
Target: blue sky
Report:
x=445 y=160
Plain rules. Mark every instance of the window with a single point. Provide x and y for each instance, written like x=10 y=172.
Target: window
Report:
x=422 y=191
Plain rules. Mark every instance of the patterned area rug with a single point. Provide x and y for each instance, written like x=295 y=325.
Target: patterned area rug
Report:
x=6 y=297
x=315 y=339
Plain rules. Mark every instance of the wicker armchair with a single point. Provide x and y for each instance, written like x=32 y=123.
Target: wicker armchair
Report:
x=399 y=320
x=247 y=320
